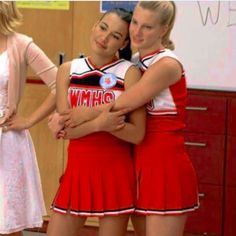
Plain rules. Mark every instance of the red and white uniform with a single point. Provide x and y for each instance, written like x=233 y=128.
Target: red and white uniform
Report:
x=100 y=178
x=166 y=178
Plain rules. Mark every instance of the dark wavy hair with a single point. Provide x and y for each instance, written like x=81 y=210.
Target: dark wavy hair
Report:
x=126 y=16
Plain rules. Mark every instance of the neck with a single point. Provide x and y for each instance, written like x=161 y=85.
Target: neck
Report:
x=145 y=51
x=3 y=43
x=99 y=61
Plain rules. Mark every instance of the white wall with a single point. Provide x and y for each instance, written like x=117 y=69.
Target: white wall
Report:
x=205 y=39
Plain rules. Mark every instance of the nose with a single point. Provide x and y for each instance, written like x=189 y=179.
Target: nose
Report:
x=105 y=37
x=138 y=31
x=135 y=30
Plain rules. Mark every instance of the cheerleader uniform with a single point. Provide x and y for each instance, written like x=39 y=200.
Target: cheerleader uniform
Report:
x=99 y=179
x=167 y=182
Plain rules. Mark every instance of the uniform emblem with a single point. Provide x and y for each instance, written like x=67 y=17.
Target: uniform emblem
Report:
x=108 y=81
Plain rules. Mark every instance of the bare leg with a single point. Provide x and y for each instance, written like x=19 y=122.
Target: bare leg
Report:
x=139 y=223
x=165 y=225
x=65 y=225
x=113 y=225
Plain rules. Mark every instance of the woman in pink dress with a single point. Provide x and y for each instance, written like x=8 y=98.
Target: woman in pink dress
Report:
x=21 y=198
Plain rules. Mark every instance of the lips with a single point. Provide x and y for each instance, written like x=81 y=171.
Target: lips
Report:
x=101 y=45
x=136 y=40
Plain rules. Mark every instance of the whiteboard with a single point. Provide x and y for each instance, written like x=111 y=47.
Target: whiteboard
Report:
x=205 y=38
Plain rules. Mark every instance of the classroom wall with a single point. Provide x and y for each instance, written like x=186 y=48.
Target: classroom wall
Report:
x=205 y=36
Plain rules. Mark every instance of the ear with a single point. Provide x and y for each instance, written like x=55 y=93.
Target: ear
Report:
x=164 y=29
x=124 y=44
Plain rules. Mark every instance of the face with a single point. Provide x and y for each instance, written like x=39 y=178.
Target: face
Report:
x=145 y=30
x=109 y=35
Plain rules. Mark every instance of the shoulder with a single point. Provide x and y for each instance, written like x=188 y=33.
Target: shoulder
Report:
x=65 y=67
x=79 y=66
x=166 y=55
x=77 y=61
x=132 y=75
x=131 y=69
x=168 y=60
x=122 y=65
x=127 y=63
x=20 y=39
x=167 y=67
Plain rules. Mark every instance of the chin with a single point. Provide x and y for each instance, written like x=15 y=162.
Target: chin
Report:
x=137 y=46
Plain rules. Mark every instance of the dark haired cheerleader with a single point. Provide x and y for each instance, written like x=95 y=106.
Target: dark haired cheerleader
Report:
x=99 y=179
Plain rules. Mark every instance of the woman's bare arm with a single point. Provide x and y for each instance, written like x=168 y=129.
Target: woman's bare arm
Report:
x=158 y=77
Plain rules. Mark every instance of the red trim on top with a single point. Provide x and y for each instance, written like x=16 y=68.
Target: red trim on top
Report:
x=100 y=67
x=152 y=53
x=92 y=87
x=76 y=76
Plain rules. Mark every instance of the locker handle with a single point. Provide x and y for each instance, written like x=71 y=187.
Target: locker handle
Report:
x=201 y=195
x=61 y=58
x=81 y=55
x=195 y=144
x=191 y=108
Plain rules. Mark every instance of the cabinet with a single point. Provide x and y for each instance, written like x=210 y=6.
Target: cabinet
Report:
x=205 y=143
x=230 y=184
x=210 y=139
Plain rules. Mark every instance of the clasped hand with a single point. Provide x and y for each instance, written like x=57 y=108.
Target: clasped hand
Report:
x=63 y=125
x=16 y=123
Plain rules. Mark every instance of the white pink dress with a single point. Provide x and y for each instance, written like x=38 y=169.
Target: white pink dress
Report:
x=21 y=198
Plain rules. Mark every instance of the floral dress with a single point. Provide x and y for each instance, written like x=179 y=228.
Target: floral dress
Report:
x=21 y=198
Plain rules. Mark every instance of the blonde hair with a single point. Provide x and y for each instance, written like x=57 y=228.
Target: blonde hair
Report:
x=167 y=12
x=10 y=17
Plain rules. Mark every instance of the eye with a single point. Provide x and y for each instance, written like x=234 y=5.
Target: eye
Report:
x=103 y=27
x=148 y=27
x=134 y=22
x=116 y=37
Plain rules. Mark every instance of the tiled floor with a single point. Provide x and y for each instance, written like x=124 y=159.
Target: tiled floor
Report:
x=27 y=233
x=87 y=231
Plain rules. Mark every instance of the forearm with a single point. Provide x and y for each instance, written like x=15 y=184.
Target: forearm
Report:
x=88 y=113
x=130 y=133
x=81 y=130
x=43 y=110
x=134 y=129
x=129 y=99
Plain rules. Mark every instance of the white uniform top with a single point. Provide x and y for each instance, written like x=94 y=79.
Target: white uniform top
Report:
x=168 y=101
x=91 y=86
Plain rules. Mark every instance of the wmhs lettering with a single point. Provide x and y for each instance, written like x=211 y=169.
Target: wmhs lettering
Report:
x=89 y=97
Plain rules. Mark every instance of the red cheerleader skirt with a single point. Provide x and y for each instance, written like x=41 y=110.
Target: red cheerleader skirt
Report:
x=99 y=179
x=167 y=183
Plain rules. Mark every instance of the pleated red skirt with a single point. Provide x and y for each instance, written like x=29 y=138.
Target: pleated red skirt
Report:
x=167 y=183
x=99 y=179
